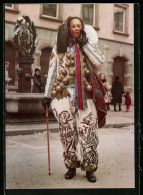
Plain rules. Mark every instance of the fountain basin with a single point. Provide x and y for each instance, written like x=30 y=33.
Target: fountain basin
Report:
x=24 y=103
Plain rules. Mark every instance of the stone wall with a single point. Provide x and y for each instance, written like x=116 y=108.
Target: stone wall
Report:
x=111 y=50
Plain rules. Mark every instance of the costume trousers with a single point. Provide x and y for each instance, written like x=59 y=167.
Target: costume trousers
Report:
x=77 y=126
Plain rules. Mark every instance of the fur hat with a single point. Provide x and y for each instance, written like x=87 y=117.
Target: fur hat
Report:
x=62 y=39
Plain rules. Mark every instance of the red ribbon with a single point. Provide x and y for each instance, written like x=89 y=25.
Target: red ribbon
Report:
x=78 y=77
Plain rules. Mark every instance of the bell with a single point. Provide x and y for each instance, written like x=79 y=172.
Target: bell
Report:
x=68 y=55
x=84 y=64
x=71 y=72
x=54 y=93
x=72 y=57
x=64 y=72
x=83 y=57
x=67 y=64
x=55 y=84
x=59 y=88
x=87 y=72
x=86 y=83
x=61 y=61
x=89 y=88
x=59 y=78
x=65 y=81
x=72 y=62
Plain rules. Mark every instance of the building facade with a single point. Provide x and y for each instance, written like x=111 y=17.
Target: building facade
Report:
x=114 y=24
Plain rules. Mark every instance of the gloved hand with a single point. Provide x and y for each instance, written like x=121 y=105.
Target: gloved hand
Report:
x=83 y=40
x=46 y=101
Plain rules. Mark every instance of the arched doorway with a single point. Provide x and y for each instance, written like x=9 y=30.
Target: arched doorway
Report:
x=119 y=68
x=44 y=60
x=10 y=56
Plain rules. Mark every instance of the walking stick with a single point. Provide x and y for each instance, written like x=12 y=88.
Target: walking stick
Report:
x=48 y=139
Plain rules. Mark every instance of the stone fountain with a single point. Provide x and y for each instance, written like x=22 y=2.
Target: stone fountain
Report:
x=24 y=103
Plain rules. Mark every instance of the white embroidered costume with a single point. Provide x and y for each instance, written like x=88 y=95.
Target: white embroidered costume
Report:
x=75 y=124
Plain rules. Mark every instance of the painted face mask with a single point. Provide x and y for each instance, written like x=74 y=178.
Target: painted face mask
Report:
x=75 y=28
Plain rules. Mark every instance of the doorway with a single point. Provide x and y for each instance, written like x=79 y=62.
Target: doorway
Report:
x=119 y=68
x=44 y=60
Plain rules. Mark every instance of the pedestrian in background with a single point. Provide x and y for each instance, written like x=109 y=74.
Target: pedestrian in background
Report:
x=108 y=94
x=117 y=91
x=45 y=75
x=127 y=100
x=77 y=95
x=37 y=82
x=7 y=78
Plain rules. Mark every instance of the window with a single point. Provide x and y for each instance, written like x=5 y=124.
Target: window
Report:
x=119 y=19
x=9 y=5
x=53 y=12
x=88 y=11
x=50 y=10
x=13 y=8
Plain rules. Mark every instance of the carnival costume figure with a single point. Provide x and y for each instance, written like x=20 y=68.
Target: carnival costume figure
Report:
x=76 y=94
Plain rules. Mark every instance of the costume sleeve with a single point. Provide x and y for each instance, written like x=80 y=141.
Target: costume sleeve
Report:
x=94 y=54
x=91 y=49
x=51 y=73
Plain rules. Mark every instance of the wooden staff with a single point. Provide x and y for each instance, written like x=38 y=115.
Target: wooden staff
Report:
x=48 y=139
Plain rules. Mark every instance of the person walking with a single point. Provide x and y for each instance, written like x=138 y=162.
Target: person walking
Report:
x=37 y=82
x=76 y=94
x=107 y=96
x=127 y=101
x=117 y=91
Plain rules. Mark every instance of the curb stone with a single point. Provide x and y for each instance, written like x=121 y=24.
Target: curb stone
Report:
x=55 y=130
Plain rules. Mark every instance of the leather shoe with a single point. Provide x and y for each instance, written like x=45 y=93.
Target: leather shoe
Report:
x=70 y=173
x=90 y=176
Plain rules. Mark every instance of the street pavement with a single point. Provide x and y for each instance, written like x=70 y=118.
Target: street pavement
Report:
x=113 y=120
x=27 y=156
x=27 y=161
